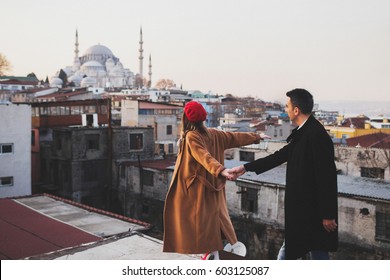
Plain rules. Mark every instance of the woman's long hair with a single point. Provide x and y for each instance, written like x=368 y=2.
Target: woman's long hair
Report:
x=187 y=125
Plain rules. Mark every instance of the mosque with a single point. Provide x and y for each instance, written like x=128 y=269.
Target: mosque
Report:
x=99 y=67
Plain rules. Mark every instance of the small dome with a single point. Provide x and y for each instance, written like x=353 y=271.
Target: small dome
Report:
x=88 y=81
x=99 y=50
x=75 y=78
x=56 y=81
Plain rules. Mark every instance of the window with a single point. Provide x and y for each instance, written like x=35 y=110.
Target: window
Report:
x=32 y=137
x=249 y=200
x=122 y=171
x=147 y=177
x=59 y=144
x=247 y=156
x=6 y=148
x=65 y=173
x=170 y=148
x=91 y=171
x=89 y=120
x=169 y=129
x=54 y=168
x=373 y=172
x=136 y=141
x=92 y=141
x=382 y=228
x=161 y=147
x=6 y=181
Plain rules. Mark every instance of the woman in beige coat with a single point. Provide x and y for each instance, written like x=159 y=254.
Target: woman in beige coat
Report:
x=196 y=217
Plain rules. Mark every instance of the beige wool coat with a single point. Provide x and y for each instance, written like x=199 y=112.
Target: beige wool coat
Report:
x=196 y=217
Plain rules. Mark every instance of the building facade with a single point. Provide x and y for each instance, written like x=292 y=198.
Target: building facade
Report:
x=164 y=118
x=81 y=163
x=15 y=150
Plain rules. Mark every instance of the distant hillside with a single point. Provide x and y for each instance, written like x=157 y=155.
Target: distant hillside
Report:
x=354 y=108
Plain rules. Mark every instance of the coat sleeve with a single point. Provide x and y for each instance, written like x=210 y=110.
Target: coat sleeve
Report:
x=237 y=139
x=325 y=174
x=264 y=164
x=202 y=155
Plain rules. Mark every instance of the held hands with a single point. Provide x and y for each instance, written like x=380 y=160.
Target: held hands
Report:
x=233 y=173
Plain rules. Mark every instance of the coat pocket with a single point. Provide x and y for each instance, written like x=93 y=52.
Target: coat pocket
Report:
x=189 y=181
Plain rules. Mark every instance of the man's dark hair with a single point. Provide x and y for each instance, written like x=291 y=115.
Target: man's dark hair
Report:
x=302 y=99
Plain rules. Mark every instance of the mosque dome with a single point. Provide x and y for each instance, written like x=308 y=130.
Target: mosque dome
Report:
x=56 y=82
x=88 y=81
x=99 y=50
x=91 y=67
x=76 y=78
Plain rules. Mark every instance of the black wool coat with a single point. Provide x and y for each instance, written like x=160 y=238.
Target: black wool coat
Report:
x=311 y=188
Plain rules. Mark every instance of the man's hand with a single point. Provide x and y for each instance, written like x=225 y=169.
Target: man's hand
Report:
x=233 y=173
x=329 y=225
x=237 y=171
x=231 y=176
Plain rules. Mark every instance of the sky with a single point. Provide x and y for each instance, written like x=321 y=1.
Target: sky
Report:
x=336 y=49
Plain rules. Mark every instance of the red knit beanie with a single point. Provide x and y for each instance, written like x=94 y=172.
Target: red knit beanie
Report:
x=195 y=112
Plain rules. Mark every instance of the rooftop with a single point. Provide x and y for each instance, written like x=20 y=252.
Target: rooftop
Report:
x=45 y=227
x=48 y=227
x=375 y=140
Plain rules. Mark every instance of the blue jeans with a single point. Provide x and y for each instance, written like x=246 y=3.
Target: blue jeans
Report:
x=314 y=255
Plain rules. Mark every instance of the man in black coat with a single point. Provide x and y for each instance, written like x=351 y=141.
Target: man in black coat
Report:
x=311 y=182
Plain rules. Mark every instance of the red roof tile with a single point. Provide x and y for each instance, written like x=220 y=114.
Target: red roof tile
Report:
x=375 y=140
x=356 y=122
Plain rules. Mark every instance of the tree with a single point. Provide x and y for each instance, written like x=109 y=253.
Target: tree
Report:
x=4 y=65
x=141 y=82
x=164 y=84
x=32 y=75
x=64 y=77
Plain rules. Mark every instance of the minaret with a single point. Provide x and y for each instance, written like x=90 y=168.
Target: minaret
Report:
x=141 y=57
x=76 y=60
x=150 y=70
x=76 y=50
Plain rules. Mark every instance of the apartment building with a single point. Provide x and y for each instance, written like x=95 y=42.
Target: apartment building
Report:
x=164 y=118
x=15 y=150
x=81 y=163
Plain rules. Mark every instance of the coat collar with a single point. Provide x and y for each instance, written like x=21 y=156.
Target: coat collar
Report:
x=295 y=132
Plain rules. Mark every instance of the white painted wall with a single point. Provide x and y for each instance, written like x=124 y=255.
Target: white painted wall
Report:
x=15 y=128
